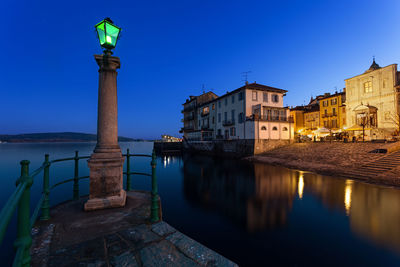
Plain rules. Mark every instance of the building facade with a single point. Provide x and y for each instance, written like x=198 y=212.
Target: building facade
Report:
x=372 y=102
x=333 y=111
x=253 y=111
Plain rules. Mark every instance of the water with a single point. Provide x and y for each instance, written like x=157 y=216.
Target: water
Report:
x=254 y=214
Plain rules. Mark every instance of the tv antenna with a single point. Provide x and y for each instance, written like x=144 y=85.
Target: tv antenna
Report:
x=245 y=75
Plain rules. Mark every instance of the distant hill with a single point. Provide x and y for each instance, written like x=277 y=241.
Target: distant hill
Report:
x=55 y=137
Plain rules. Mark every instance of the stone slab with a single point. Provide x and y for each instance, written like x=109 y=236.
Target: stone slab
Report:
x=162 y=228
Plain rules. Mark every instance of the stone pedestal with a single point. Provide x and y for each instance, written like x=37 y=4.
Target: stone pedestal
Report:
x=106 y=162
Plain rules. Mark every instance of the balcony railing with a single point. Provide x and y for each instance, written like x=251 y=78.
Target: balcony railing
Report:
x=228 y=122
x=272 y=118
x=189 y=108
x=20 y=200
x=327 y=115
x=204 y=113
x=206 y=127
x=188 y=117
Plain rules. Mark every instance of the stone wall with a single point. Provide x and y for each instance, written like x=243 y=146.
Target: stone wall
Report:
x=233 y=148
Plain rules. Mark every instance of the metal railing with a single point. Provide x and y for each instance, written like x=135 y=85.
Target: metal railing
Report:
x=21 y=199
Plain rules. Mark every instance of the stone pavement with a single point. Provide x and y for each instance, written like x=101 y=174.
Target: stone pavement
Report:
x=115 y=237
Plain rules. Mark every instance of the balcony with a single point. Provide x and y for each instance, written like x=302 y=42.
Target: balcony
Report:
x=189 y=108
x=204 y=113
x=206 y=128
x=228 y=122
x=188 y=117
x=256 y=117
x=327 y=115
x=187 y=129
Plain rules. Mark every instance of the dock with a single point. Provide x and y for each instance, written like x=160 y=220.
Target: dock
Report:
x=115 y=237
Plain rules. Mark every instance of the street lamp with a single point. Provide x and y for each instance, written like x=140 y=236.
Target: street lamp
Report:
x=108 y=34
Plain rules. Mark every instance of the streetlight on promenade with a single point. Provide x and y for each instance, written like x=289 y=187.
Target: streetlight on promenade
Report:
x=106 y=161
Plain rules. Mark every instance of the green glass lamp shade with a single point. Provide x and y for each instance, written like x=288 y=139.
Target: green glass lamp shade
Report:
x=108 y=33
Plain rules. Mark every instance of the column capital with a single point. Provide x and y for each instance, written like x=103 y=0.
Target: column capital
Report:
x=107 y=63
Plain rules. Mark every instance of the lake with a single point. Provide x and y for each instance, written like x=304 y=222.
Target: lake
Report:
x=252 y=213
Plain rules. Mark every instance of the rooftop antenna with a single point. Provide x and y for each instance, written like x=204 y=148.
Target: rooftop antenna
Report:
x=245 y=75
x=203 y=88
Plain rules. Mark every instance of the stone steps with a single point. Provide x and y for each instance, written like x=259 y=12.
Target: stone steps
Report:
x=376 y=167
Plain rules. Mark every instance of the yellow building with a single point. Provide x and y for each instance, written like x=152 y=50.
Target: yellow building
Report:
x=297 y=114
x=312 y=119
x=333 y=111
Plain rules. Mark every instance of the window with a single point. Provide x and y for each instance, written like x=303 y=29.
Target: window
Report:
x=213 y=120
x=233 y=99
x=219 y=131
x=263 y=128
x=265 y=97
x=334 y=101
x=344 y=110
x=254 y=95
x=219 y=117
x=233 y=115
x=233 y=131
x=325 y=103
x=240 y=119
x=226 y=101
x=368 y=87
x=284 y=129
x=225 y=116
x=334 y=111
x=219 y=104
x=283 y=115
x=206 y=110
x=274 y=128
x=334 y=123
x=325 y=124
x=213 y=106
x=199 y=123
x=326 y=112
x=240 y=96
x=275 y=98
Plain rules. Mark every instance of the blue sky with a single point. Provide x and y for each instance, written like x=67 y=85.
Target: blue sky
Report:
x=169 y=49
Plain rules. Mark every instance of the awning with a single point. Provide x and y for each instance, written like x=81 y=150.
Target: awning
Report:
x=356 y=128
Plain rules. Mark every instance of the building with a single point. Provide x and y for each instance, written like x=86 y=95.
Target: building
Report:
x=191 y=118
x=253 y=111
x=333 y=111
x=297 y=113
x=372 y=102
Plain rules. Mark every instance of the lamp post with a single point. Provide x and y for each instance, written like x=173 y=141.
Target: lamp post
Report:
x=106 y=161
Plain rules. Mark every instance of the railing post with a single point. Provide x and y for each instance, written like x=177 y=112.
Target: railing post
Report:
x=155 y=208
x=24 y=239
x=128 y=170
x=76 y=177
x=46 y=190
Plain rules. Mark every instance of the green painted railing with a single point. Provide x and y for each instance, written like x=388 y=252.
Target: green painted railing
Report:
x=22 y=194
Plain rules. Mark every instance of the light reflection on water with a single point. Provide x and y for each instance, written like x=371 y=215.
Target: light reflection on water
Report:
x=338 y=215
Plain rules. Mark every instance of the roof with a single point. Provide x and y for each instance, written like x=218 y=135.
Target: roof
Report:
x=261 y=87
x=333 y=95
x=373 y=67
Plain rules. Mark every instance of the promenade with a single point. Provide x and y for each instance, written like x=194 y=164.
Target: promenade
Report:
x=349 y=160
x=115 y=237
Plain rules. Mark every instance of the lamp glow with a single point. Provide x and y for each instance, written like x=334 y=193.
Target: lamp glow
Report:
x=108 y=34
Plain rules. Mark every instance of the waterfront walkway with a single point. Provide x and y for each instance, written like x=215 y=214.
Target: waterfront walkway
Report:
x=115 y=237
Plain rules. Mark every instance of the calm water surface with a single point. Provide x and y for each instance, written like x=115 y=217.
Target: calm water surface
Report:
x=254 y=214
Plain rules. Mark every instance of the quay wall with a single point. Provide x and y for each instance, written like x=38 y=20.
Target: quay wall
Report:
x=234 y=148
x=168 y=148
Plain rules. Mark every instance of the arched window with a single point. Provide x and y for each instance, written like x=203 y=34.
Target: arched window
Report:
x=284 y=129
x=274 y=128
x=263 y=128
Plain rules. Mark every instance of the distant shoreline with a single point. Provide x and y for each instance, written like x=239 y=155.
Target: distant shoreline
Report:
x=59 y=137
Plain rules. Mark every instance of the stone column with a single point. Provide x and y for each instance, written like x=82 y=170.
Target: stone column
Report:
x=106 y=162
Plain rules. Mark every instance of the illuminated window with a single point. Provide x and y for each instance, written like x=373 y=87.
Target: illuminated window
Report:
x=333 y=101
x=213 y=106
x=368 y=87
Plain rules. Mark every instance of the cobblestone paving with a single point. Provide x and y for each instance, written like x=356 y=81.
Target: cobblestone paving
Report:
x=141 y=244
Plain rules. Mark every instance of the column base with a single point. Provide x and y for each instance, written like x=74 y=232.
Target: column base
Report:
x=107 y=202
